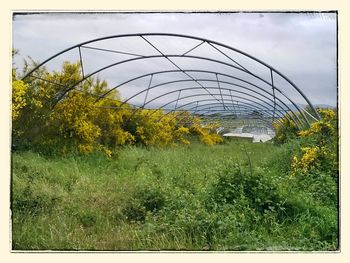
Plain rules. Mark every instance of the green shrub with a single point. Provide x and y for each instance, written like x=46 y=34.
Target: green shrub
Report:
x=151 y=200
x=28 y=200
x=134 y=213
x=285 y=130
x=143 y=201
x=236 y=185
x=88 y=218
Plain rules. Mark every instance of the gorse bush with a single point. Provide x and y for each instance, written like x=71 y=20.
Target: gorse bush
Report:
x=285 y=130
x=206 y=134
x=318 y=144
x=313 y=160
x=319 y=151
x=19 y=89
x=47 y=118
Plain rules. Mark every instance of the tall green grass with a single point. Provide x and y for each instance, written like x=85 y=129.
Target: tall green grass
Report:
x=234 y=196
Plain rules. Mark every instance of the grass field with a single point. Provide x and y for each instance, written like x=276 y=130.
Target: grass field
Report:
x=234 y=196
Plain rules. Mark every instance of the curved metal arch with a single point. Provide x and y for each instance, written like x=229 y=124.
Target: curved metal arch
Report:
x=216 y=81
x=245 y=108
x=228 y=116
x=184 y=36
x=217 y=94
x=192 y=102
x=175 y=56
x=194 y=88
x=212 y=111
x=238 y=108
x=211 y=43
x=241 y=105
x=210 y=72
x=216 y=119
x=204 y=94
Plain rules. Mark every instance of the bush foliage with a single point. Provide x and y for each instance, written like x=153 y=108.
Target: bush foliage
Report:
x=318 y=144
x=46 y=116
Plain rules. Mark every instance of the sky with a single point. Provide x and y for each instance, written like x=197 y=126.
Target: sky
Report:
x=302 y=46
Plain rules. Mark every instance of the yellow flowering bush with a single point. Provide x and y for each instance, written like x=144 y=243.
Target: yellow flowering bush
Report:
x=46 y=117
x=74 y=117
x=320 y=141
x=155 y=128
x=284 y=129
x=315 y=128
x=110 y=120
x=19 y=89
x=85 y=148
x=325 y=127
x=310 y=159
x=122 y=137
x=207 y=133
x=328 y=114
x=180 y=133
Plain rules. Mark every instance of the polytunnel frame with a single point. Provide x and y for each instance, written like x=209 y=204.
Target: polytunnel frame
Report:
x=211 y=87
x=277 y=102
x=204 y=94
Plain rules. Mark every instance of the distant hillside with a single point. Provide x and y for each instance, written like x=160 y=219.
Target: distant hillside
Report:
x=324 y=106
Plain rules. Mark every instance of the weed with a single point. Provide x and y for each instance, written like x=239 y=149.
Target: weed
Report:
x=183 y=198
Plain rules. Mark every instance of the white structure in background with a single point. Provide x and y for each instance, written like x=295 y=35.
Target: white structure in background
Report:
x=256 y=133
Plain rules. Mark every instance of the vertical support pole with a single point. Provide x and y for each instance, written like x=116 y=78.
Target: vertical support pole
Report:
x=274 y=97
x=149 y=85
x=233 y=104
x=222 y=98
x=195 y=109
x=240 y=110
x=81 y=63
x=177 y=101
x=82 y=66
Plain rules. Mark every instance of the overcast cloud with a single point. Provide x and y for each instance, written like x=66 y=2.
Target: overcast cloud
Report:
x=301 y=46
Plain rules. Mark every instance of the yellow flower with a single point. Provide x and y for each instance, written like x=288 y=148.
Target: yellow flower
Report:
x=85 y=148
x=19 y=89
x=327 y=114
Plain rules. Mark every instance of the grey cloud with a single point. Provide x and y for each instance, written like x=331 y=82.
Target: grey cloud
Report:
x=301 y=46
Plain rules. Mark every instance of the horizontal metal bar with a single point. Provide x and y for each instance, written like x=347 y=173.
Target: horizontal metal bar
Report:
x=193 y=48
x=230 y=102
x=213 y=72
x=215 y=88
x=190 y=37
x=112 y=51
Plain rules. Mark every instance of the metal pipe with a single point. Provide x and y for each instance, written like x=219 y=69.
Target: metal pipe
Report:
x=212 y=43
